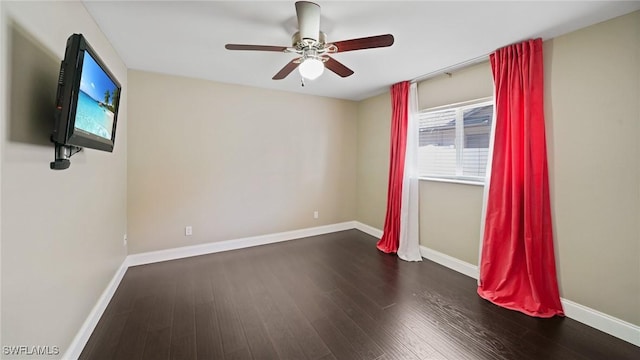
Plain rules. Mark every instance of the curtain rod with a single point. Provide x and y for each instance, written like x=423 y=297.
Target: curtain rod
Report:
x=451 y=68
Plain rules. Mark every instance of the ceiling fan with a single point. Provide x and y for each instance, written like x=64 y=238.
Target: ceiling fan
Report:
x=310 y=43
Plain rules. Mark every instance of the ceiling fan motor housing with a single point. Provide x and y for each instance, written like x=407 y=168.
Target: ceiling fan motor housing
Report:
x=300 y=44
x=308 y=14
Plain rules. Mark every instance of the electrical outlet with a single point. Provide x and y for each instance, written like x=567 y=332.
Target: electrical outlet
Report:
x=188 y=231
x=315 y=214
x=124 y=240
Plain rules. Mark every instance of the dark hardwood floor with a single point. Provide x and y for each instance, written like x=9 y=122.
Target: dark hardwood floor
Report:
x=326 y=297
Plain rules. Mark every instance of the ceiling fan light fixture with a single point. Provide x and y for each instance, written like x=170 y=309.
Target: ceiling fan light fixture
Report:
x=311 y=68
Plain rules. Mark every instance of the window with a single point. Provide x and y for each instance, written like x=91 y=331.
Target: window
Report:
x=454 y=141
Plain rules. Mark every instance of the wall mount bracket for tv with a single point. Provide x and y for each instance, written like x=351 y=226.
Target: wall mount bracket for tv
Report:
x=62 y=155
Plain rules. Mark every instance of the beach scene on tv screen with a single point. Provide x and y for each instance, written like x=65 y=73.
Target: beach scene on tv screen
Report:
x=96 y=101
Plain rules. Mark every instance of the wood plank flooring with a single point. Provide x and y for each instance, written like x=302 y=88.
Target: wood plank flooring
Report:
x=326 y=297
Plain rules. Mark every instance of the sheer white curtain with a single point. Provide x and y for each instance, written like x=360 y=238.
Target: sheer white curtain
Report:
x=409 y=243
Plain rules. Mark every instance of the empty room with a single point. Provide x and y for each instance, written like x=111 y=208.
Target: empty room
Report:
x=319 y=180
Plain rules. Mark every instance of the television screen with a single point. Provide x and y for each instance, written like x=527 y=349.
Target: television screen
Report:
x=87 y=101
x=97 y=97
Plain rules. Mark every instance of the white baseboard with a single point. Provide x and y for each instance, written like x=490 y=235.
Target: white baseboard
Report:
x=601 y=321
x=452 y=263
x=214 y=247
x=368 y=229
x=78 y=343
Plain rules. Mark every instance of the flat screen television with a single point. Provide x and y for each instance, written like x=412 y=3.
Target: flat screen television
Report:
x=87 y=101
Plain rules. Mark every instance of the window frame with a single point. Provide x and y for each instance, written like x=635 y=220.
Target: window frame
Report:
x=459 y=141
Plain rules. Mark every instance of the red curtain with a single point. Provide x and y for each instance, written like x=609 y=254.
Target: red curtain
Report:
x=517 y=267
x=399 y=120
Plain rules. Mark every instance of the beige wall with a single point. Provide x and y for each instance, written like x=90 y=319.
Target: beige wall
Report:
x=450 y=218
x=593 y=124
x=234 y=161
x=470 y=83
x=592 y=97
x=61 y=230
x=374 y=133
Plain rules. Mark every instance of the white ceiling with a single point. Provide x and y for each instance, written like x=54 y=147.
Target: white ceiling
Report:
x=187 y=37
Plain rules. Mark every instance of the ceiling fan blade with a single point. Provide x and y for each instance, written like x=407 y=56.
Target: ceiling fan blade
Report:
x=308 y=20
x=255 y=47
x=287 y=69
x=364 y=43
x=337 y=67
